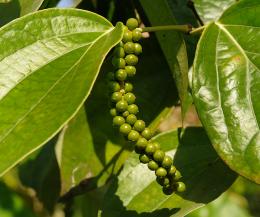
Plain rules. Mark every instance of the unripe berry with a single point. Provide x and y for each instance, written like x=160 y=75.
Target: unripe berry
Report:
x=139 y=125
x=120 y=75
x=146 y=133
x=121 y=106
x=128 y=87
x=152 y=165
x=131 y=60
x=116 y=96
x=158 y=156
x=161 y=172
x=113 y=112
x=133 y=109
x=125 y=114
x=138 y=49
x=127 y=36
x=136 y=34
x=118 y=63
x=144 y=158
x=132 y=23
x=130 y=98
x=129 y=47
x=118 y=120
x=131 y=119
x=114 y=86
x=141 y=143
x=150 y=149
x=167 y=162
x=119 y=52
x=125 y=129
x=180 y=186
x=130 y=70
x=163 y=181
x=133 y=135
x=171 y=171
x=177 y=175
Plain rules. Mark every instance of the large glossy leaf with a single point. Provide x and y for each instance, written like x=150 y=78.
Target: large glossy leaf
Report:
x=226 y=83
x=211 y=10
x=48 y=64
x=91 y=149
x=136 y=193
x=172 y=44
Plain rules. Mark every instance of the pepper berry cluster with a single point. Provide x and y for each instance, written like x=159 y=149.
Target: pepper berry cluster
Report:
x=124 y=111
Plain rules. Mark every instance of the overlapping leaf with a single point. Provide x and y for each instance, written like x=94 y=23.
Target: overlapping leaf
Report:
x=48 y=64
x=226 y=83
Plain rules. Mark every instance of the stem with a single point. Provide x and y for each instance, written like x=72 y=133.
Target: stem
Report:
x=181 y=28
x=196 y=31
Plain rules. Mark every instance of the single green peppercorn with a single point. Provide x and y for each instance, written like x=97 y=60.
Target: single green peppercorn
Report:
x=120 y=52
x=118 y=120
x=139 y=125
x=158 y=156
x=133 y=135
x=113 y=112
x=150 y=149
x=121 y=106
x=138 y=49
x=180 y=186
x=129 y=47
x=127 y=36
x=141 y=143
x=133 y=109
x=128 y=87
x=125 y=114
x=136 y=34
x=171 y=171
x=120 y=75
x=125 y=129
x=152 y=165
x=114 y=86
x=131 y=59
x=144 y=158
x=177 y=175
x=168 y=190
x=118 y=63
x=132 y=23
x=146 y=132
x=120 y=44
x=131 y=119
x=116 y=96
x=161 y=172
x=130 y=98
x=156 y=145
x=163 y=181
x=130 y=70
x=167 y=162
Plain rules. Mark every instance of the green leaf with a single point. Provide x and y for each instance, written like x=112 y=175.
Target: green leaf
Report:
x=136 y=193
x=211 y=10
x=226 y=86
x=100 y=150
x=28 y=6
x=49 y=62
x=172 y=44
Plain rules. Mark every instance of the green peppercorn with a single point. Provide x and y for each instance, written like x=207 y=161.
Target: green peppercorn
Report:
x=156 y=145
x=131 y=119
x=150 y=149
x=120 y=52
x=144 y=158
x=141 y=143
x=113 y=112
x=125 y=129
x=161 y=172
x=130 y=70
x=121 y=106
x=163 y=181
x=133 y=109
x=131 y=60
x=138 y=49
x=177 y=175
x=132 y=23
x=118 y=63
x=129 y=47
x=136 y=34
x=120 y=75
x=114 y=86
x=120 y=44
x=167 y=162
x=118 y=120
x=171 y=171
x=125 y=114
x=168 y=190
x=127 y=36
x=133 y=135
x=128 y=87
x=139 y=125
x=116 y=96
x=158 y=156
x=130 y=98
x=146 y=132
x=180 y=186
x=152 y=165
